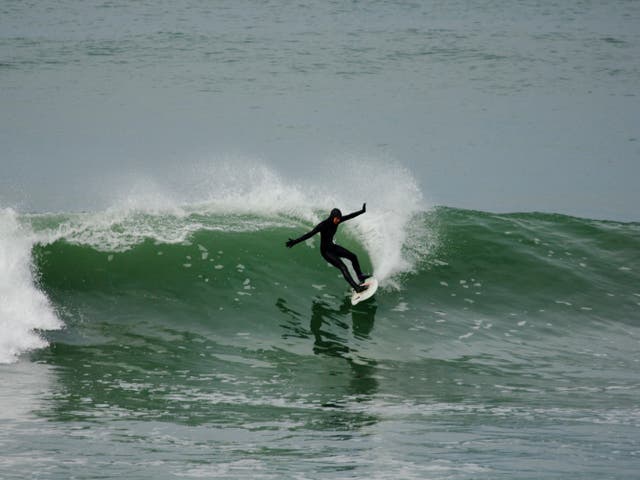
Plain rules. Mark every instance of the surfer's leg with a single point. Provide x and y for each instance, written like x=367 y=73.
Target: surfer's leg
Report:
x=334 y=260
x=353 y=258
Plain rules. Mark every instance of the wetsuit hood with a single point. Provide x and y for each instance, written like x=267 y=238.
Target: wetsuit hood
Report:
x=335 y=213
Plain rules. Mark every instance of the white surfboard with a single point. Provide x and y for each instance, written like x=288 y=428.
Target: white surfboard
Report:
x=372 y=286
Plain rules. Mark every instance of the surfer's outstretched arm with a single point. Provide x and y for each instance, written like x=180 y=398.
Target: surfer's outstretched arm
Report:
x=355 y=214
x=290 y=243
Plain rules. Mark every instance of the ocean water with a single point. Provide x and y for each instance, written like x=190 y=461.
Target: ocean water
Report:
x=156 y=157
x=494 y=105
x=153 y=340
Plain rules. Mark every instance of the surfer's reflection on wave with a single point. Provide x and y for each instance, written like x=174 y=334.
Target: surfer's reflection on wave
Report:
x=324 y=318
x=330 y=327
x=323 y=321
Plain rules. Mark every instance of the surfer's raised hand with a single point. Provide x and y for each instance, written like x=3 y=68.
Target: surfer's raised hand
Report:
x=364 y=207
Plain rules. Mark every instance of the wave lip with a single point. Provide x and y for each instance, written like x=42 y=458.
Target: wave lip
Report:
x=24 y=308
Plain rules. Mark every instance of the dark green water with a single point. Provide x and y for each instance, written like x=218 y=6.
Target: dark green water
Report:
x=509 y=350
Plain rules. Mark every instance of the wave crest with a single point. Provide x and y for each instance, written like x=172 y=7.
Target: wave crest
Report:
x=24 y=308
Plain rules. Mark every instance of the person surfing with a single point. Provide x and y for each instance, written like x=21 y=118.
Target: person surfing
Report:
x=332 y=252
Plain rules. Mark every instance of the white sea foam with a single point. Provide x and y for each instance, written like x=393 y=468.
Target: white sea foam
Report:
x=251 y=196
x=24 y=308
x=392 y=237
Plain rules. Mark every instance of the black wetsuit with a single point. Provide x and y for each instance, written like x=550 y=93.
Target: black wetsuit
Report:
x=333 y=253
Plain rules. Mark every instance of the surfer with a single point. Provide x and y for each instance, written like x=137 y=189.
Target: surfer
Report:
x=332 y=252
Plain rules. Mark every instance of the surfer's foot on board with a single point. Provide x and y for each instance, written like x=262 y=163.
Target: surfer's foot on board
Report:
x=363 y=277
x=360 y=288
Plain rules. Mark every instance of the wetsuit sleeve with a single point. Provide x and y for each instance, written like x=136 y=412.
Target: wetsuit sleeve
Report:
x=304 y=237
x=355 y=214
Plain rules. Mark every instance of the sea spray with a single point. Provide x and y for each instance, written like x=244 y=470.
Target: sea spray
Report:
x=249 y=195
x=392 y=231
x=23 y=307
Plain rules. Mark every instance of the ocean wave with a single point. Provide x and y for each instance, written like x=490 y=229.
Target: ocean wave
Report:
x=220 y=201
x=476 y=277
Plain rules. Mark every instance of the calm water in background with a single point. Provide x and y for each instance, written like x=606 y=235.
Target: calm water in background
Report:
x=504 y=106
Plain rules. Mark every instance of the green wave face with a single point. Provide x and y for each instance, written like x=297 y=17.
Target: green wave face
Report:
x=483 y=268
